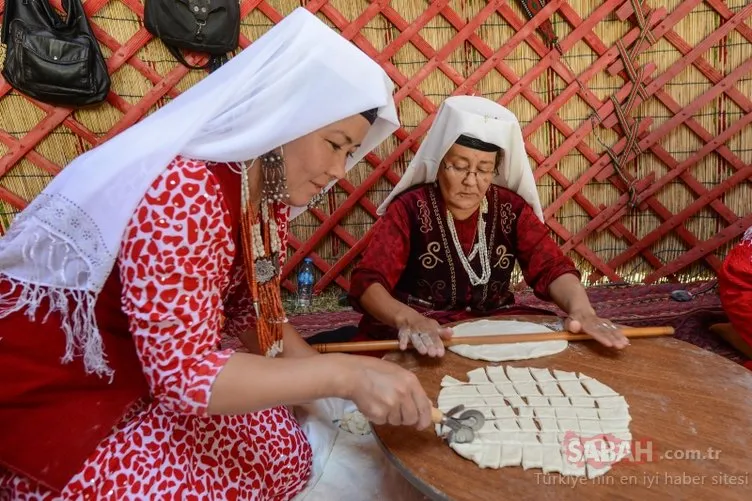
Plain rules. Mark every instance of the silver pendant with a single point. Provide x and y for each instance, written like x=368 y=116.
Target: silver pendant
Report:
x=265 y=270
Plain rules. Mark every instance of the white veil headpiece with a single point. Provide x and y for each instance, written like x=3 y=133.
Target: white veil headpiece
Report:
x=295 y=79
x=482 y=119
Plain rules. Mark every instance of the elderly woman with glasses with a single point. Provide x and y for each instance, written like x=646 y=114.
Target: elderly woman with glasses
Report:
x=463 y=213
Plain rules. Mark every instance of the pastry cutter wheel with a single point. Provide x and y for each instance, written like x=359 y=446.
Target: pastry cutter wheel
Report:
x=462 y=423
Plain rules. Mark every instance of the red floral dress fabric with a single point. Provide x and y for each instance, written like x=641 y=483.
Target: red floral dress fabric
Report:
x=181 y=275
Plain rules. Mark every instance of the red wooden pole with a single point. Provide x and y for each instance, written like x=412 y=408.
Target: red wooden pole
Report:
x=681 y=216
x=704 y=248
x=13 y=199
x=343 y=262
x=617 y=210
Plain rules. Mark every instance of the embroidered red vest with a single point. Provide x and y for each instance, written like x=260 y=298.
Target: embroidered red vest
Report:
x=435 y=278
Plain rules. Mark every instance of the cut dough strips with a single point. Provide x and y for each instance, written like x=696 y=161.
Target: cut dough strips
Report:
x=504 y=352
x=560 y=422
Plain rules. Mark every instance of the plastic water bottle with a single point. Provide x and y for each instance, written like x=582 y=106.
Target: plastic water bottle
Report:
x=305 y=283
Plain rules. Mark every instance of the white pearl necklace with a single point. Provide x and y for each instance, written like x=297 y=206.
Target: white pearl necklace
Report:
x=479 y=248
x=276 y=244
x=258 y=243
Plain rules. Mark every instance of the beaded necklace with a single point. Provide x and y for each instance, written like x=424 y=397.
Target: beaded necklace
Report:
x=480 y=248
x=261 y=248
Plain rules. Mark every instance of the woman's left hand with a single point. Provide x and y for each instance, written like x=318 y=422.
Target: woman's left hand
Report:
x=602 y=330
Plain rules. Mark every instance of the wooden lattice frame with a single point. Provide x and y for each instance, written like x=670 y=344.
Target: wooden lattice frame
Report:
x=649 y=25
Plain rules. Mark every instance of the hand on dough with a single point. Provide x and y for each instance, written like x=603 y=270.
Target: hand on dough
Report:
x=425 y=334
x=602 y=330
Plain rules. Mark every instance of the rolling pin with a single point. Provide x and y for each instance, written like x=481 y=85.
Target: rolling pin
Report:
x=392 y=345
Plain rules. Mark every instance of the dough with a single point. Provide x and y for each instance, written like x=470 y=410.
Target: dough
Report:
x=502 y=352
x=579 y=429
x=355 y=423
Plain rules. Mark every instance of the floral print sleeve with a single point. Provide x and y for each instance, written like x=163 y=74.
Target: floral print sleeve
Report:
x=174 y=265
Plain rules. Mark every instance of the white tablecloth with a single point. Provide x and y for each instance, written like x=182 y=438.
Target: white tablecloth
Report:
x=347 y=466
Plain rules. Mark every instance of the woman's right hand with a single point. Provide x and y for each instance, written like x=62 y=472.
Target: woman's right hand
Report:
x=385 y=392
x=425 y=334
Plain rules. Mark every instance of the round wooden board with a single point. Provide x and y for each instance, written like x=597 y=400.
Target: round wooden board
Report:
x=683 y=401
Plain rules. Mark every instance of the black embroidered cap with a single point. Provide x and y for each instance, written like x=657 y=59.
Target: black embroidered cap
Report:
x=476 y=144
x=370 y=115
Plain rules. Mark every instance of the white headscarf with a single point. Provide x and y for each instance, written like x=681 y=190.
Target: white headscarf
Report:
x=482 y=119
x=298 y=77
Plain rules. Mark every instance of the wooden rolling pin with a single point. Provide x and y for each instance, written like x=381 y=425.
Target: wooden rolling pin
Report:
x=392 y=345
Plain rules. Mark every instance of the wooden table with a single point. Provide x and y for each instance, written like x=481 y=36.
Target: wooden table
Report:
x=682 y=399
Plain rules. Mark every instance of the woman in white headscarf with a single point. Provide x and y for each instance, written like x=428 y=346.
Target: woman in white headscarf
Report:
x=464 y=211
x=118 y=281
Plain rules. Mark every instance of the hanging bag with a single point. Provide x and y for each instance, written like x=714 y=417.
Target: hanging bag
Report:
x=53 y=60
x=210 y=26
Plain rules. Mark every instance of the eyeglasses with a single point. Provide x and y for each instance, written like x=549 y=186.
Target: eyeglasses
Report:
x=464 y=172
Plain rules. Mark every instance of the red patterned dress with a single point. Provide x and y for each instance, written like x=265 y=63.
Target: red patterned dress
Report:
x=735 y=288
x=412 y=255
x=181 y=283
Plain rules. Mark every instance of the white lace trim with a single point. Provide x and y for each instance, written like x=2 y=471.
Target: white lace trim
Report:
x=56 y=243
x=747 y=238
x=55 y=251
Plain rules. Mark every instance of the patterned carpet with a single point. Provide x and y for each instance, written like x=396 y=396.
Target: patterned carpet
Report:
x=634 y=305
x=645 y=305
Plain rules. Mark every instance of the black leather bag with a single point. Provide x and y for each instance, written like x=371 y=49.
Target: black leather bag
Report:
x=55 y=61
x=211 y=26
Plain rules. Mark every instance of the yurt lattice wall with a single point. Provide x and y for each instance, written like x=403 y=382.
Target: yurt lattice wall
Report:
x=637 y=120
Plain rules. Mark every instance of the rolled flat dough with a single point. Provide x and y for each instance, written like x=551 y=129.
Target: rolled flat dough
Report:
x=503 y=352
x=581 y=431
